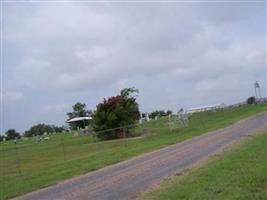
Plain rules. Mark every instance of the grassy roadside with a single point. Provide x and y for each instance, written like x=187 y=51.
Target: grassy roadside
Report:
x=240 y=173
x=28 y=166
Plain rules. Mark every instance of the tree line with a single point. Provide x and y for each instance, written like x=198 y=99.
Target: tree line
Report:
x=38 y=129
x=158 y=113
x=112 y=118
x=120 y=111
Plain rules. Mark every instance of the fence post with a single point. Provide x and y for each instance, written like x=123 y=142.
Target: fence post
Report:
x=63 y=148
x=18 y=160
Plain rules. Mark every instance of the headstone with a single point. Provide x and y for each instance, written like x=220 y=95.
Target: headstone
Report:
x=147 y=117
x=183 y=117
x=37 y=138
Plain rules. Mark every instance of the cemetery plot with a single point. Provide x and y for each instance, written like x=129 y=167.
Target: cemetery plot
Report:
x=29 y=165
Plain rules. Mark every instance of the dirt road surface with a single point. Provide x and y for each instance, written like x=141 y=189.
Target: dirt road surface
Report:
x=126 y=180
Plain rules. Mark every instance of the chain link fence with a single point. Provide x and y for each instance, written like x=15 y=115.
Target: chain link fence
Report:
x=29 y=163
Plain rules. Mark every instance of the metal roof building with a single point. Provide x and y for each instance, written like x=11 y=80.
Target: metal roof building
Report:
x=76 y=119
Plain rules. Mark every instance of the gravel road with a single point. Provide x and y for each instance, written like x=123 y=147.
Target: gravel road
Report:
x=126 y=180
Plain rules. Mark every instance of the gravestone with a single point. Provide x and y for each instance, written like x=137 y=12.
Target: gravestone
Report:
x=37 y=138
x=147 y=117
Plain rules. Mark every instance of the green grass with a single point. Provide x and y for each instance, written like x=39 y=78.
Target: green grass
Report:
x=240 y=173
x=28 y=166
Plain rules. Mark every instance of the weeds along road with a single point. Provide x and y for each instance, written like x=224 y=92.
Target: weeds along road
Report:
x=126 y=180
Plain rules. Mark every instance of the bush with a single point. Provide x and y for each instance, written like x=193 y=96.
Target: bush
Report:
x=251 y=100
x=114 y=115
x=158 y=113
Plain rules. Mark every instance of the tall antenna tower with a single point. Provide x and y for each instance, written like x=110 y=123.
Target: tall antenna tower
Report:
x=257 y=90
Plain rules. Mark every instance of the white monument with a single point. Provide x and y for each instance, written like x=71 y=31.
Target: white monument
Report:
x=147 y=117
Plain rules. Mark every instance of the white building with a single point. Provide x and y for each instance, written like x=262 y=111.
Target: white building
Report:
x=205 y=108
x=76 y=119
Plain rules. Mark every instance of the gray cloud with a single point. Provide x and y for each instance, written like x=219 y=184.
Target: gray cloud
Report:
x=176 y=54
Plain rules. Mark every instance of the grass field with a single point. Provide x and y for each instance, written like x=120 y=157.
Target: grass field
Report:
x=29 y=165
x=240 y=173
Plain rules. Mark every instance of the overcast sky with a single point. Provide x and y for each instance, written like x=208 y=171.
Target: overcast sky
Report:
x=177 y=54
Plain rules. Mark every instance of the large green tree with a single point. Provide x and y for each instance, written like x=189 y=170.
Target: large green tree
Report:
x=79 y=110
x=1 y=138
x=114 y=115
x=11 y=134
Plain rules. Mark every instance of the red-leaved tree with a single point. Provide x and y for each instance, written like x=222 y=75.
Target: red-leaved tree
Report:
x=113 y=116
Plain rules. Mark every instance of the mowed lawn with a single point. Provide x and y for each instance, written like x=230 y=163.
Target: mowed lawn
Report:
x=28 y=165
x=239 y=173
